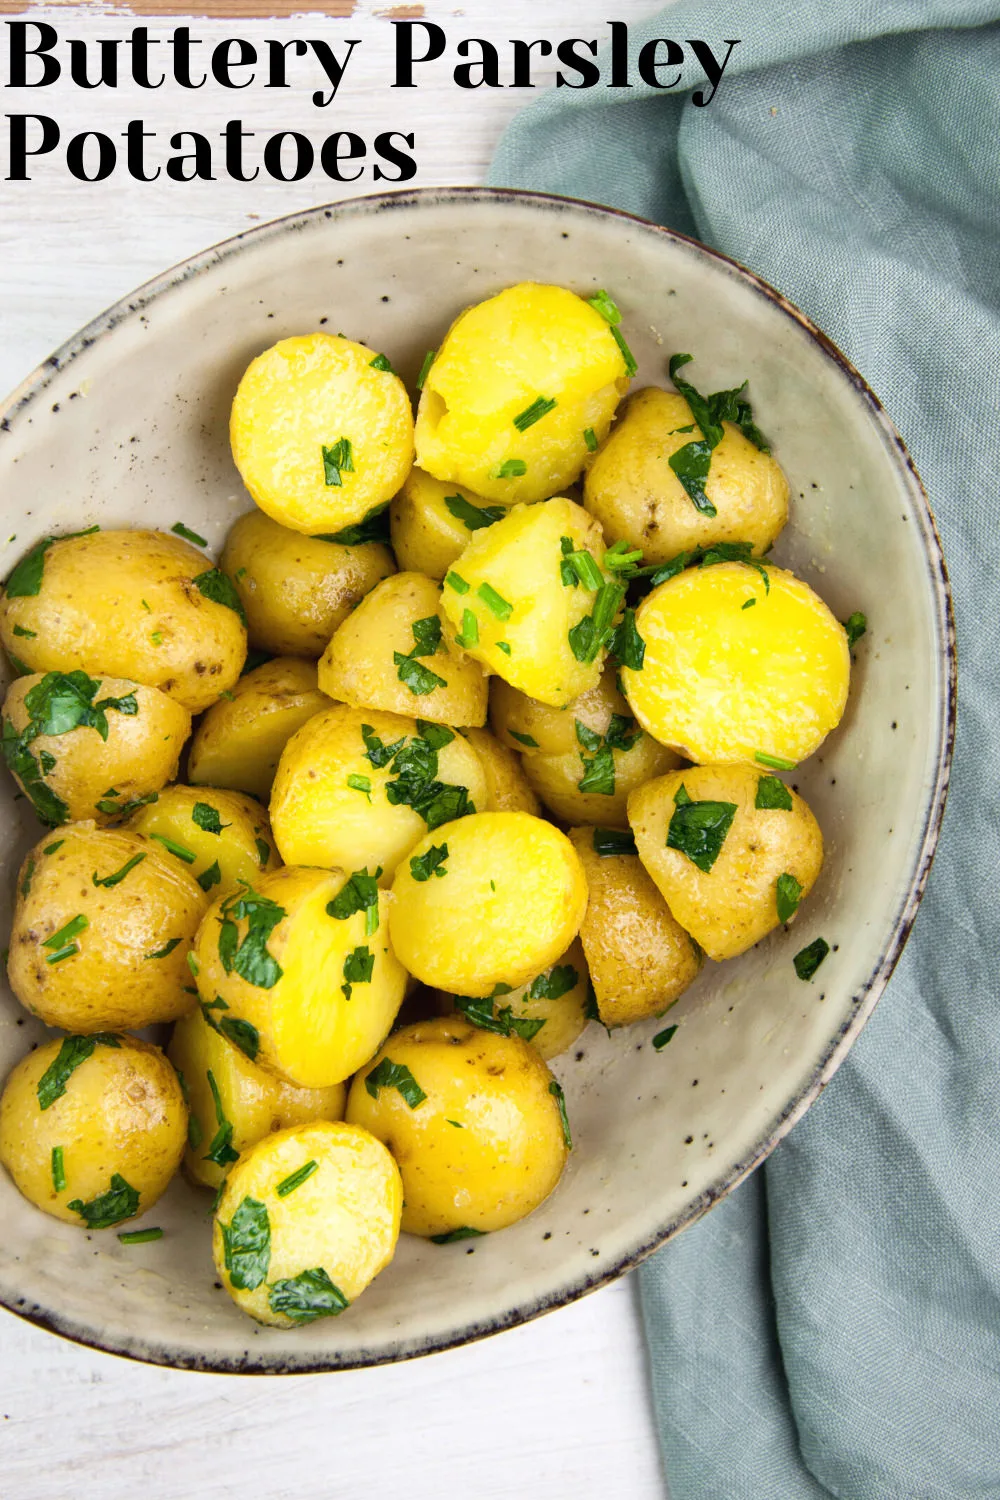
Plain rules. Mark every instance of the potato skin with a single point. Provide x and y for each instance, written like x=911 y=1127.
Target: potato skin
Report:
x=138 y=757
x=733 y=905
x=343 y=1219
x=122 y=1112
x=563 y=1018
x=239 y=741
x=632 y=490
x=254 y=1102
x=508 y=1154
x=495 y=362
x=320 y=819
x=426 y=537
x=297 y=589
x=112 y=980
x=640 y=959
x=510 y=902
x=124 y=604
x=311 y=392
x=222 y=860
x=304 y=1020
x=359 y=665
x=507 y=788
x=721 y=682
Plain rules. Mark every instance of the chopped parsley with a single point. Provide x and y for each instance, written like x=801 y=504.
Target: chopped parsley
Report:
x=210 y=876
x=165 y=951
x=423 y=866
x=609 y=841
x=206 y=817
x=263 y=852
x=26 y=579
x=179 y=851
x=246 y=1245
x=214 y=585
x=29 y=871
x=380 y=362
x=538 y=409
x=663 y=1037
x=179 y=529
x=691 y=463
x=808 y=960
x=748 y=604
x=420 y=679
x=28 y=635
x=523 y=739
x=373 y=527
x=503 y=1022
x=63 y=942
x=58 y=704
x=578 y=566
x=415 y=766
x=474 y=517
x=504 y=646
x=425 y=368
x=113 y=808
x=338 y=459
x=595 y=630
x=306 y=1297
x=296 y=1179
x=359 y=965
x=553 y=985
x=464 y=1232
x=359 y=894
x=495 y=603
x=511 y=468
x=73 y=1051
x=855 y=625
x=776 y=762
x=699 y=829
x=221 y=1150
x=772 y=793
x=599 y=771
x=121 y=1201
x=788 y=894
x=58 y=1170
x=360 y=784
x=376 y=750
x=119 y=875
x=390 y=1075
x=556 y=1090
x=250 y=957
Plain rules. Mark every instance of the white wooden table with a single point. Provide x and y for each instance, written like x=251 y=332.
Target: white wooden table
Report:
x=558 y=1408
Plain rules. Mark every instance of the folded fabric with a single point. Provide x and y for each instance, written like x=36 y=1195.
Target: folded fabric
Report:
x=833 y=1328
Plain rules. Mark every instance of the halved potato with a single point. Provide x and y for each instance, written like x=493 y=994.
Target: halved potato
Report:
x=221 y=838
x=550 y=1011
x=432 y=520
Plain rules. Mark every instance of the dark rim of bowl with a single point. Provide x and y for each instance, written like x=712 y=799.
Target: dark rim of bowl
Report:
x=864 y=999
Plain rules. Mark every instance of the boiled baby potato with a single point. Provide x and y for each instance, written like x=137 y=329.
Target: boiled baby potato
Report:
x=298 y=972
x=233 y=1102
x=550 y=1012
x=357 y=788
x=222 y=838
x=431 y=521
x=295 y=589
x=135 y=604
x=92 y=1128
x=512 y=394
x=90 y=747
x=528 y=598
x=732 y=849
x=103 y=925
x=637 y=497
x=392 y=653
x=507 y=788
x=640 y=958
x=475 y=1122
x=492 y=899
x=742 y=662
x=321 y=432
x=239 y=741
x=307 y=1219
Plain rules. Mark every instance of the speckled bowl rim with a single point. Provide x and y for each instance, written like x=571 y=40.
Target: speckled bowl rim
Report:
x=864 y=999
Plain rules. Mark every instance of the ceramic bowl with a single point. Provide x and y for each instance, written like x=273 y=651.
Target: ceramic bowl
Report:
x=127 y=426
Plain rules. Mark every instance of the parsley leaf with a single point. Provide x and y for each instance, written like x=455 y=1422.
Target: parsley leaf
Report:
x=210 y=876
x=462 y=1233
x=221 y=1150
x=246 y=1245
x=596 y=630
x=772 y=793
x=179 y=529
x=64 y=701
x=73 y=1051
x=373 y=527
x=214 y=585
x=263 y=852
x=26 y=579
x=608 y=841
x=206 y=817
x=699 y=829
x=250 y=958
x=474 y=517
x=306 y=1297
x=419 y=679
x=523 y=739
x=503 y=1022
x=423 y=866
x=380 y=362
x=359 y=965
x=855 y=625
x=163 y=952
x=663 y=1037
x=788 y=894
x=808 y=960
x=338 y=459
x=390 y=1075
x=436 y=735
x=556 y=983
x=416 y=786
x=359 y=894
x=121 y=1201
x=376 y=751
x=556 y=1090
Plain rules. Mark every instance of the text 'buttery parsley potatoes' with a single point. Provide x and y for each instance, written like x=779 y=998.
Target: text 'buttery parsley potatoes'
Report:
x=92 y=1127
x=475 y=1121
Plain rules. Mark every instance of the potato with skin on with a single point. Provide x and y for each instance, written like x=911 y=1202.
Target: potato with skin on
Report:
x=485 y=1144
x=320 y=434
x=640 y=958
x=733 y=892
x=135 y=604
x=427 y=534
x=103 y=925
x=300 y=974
x=516 y=384
x=737 y=669
x=239 y=741
x=507 y=590
x=221 y=838
x=330 y=802
x=555 y=1001
x=297 y=589
x=92 y=1129
x=87 y=747
x=635 y=494
x=307 y=1219
x=507 y=788
x=250 y=1103
x=393 y=653
x=508 y=901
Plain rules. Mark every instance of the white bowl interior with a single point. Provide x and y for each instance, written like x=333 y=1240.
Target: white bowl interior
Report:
x=128 y=427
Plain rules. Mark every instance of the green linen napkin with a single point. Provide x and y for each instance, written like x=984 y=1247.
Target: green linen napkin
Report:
x=833 y=1328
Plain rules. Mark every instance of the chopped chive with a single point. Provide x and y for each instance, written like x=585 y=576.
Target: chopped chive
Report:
x=470 y=629
x=511 y=468
x=556 y=1090
x=495 y=602
x=606 y=306
x=621 y=558
x=361 y=784
x=118 y=875
x=538 y=409
x=193 y=964
x=296 y=1179
x=51 y=848
x=464 y=1233
x=630 y=362
x=189 y=536
x=590 y=438
x=457 y=582
x=523 y=739
x=140 y=1236
x=749 y=604
x=58 y=1169
x=167 y=948
x=586 y=570
x=776 y=762
x=179 y=851
x=66 y=934
x=425 y=368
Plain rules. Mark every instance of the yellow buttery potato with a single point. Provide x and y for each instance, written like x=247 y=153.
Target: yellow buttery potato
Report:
x=431 y=521
x=474 y=1122
x=233 y=1102
x=506 y=900
x=640 y=959
x=392 y=653
x=335 y=803
x=550 y=1012
x=737 y=668
x=92 y=1128
x=637 y=497
x=320 y=434
x=732 y=849
x=221 y=838
x=507 y=789
x=298 y=972
x=307 y=1219
x=102 y=929
x=512 y=608
x=88 y=747
x=135 y=604
x=518 y=382
x=297 y=589
x=239 y=741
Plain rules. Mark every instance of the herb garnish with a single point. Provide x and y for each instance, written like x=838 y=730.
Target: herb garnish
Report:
x=250 y=958
x=28 y=635
x=110 y=805
x=425 y=368
x=373 y=527
x=556 y=1090
x=554 y=984
x=596 y=630
x=359 y=965
x=390 y=1075
x=179 y=851
x=691 y=463
x=62 y=942
x=788 y=894
x=121 y=1201
x=609 y=841
x=26 y=579
x=418 y=678
x=376 y=750
x=263 y=852
x=119 y=875
x=73 y=1051
x=457 y=582
x=453 y=1235
x=296 y=1179
x=246 y=1245
x=214 y=585
x=360 y=784
x=423 y=866
x=179 y=529
x=511 y=468
x=140 y=1236
x=221 y=1150
x=590 y=438
x=163 y=952
x=495 y=603
x=808 y=960
x=206 y=817
x=483 y=1012
x=210 y=876
x=663 y=1037
x=306 y=1297
x=359 y=894
x=523 y=739
x=58 y=1170
x=772 y=793
x=469 y=635
x=538 y=409
x=699 y=829
x=855 y=625
x=474 y=517
x=380 y=362
x=776 y=762
x=338 y=459
x=416 y=766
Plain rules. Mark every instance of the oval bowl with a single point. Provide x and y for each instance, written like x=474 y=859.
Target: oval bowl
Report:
x=127 y=426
